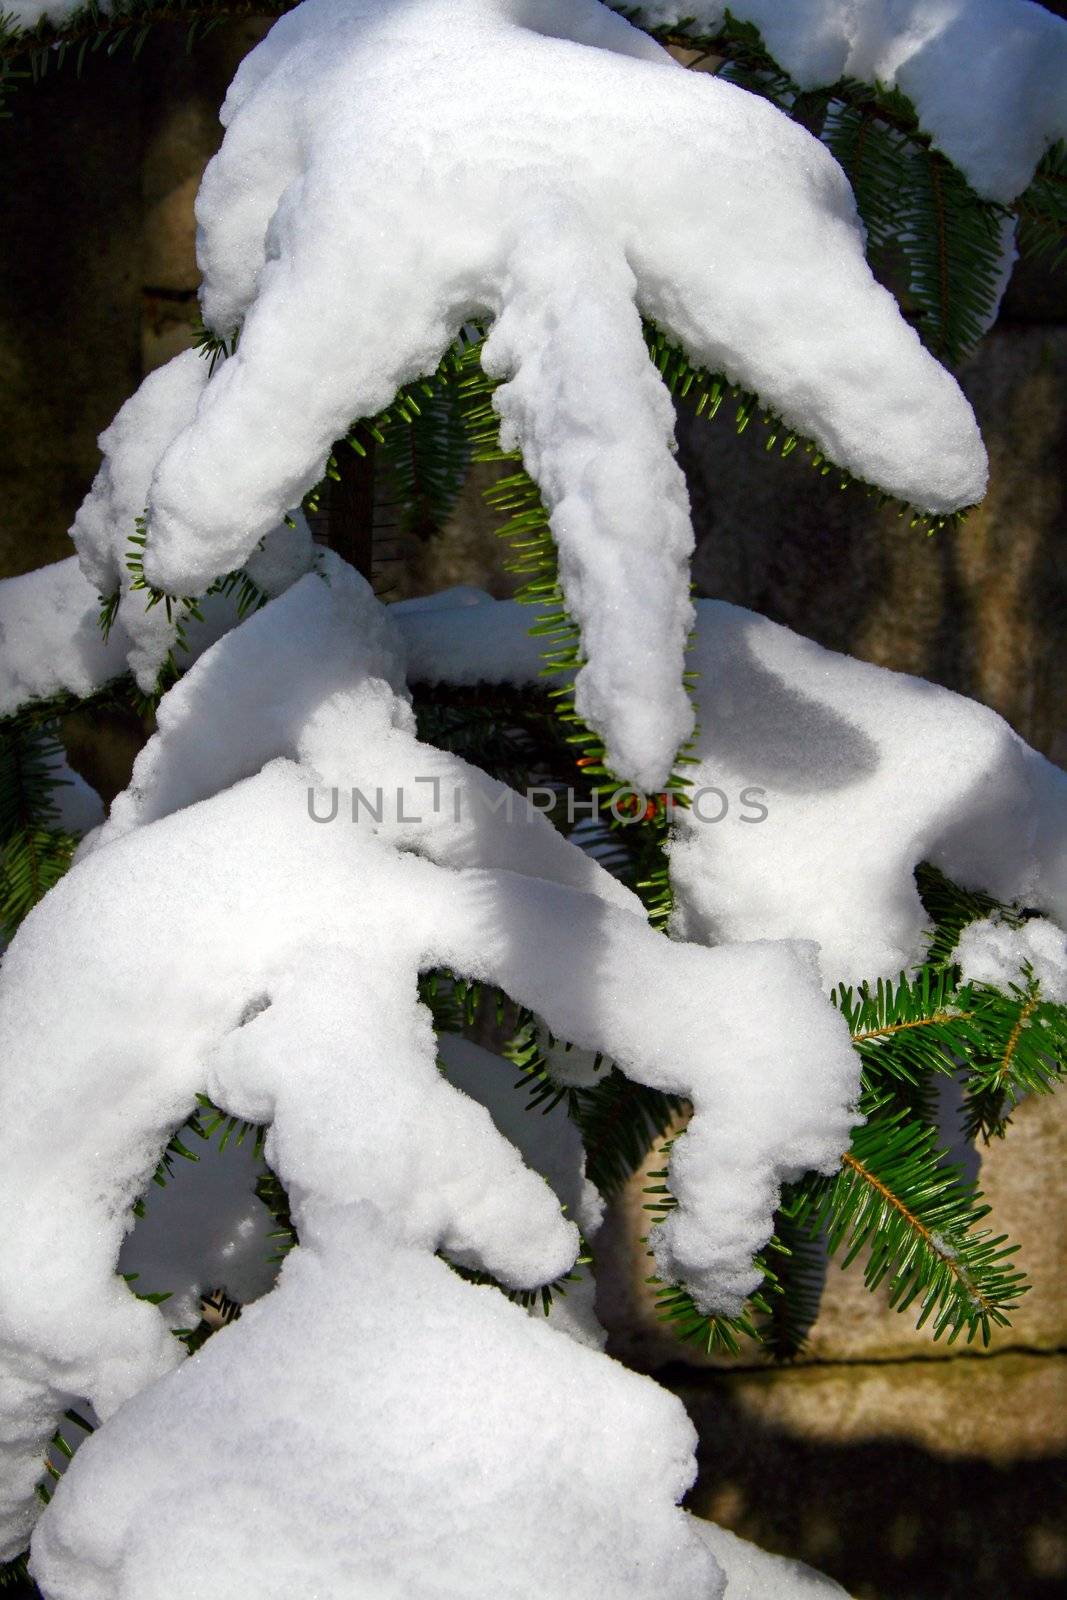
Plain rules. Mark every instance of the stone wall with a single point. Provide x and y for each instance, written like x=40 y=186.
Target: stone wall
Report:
x=97 y=286
x=982 y=610
x=98 y=274
x=909 y=1471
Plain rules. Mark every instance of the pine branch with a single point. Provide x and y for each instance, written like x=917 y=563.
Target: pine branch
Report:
x=525 y=522
x=14 y=1572
x=31 y=53
x=544 y=1295
x=1009 y=1043
x=509 y=733
x=180 y=610
x=119 y=694
x=952 y=245
x=1042 y=211
x=457 y=1003
x=98 y=27
x=28 y=776
x=425 y=460
x=1023 y=1051
x=897 y=1197
x=205 y=1124
x=916 y=1027
x=706 y=392
x=407 y=474
x=210 y=1121
x=214 y=347
x=350 y=503
x=779 y=1315
x=950 y=909
x=217 y=1311
x=526 y=1050
x=1017 y=1043
x=15 y=1575
x=271 y=1192
x=35 y=851
x=619 y=1121
x=796 y=1271
x=712 y=1334
x=874 y=156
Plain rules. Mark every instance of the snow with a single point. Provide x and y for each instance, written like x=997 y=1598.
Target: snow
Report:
x=1008 y=255
x=142 y=979
x=468 y=640
x=51 y=642
x=549 y=1141
x=863 y=774
x=78 y=806
x=550 y=1144
x=275 y=689
x=753 y=1574
x=558 y=190
x=991 y=951
x=252 y=918
x=145 y=424
x=866 y=773
x=164 y=405
x=28 y=13
x=205 y=1230
x=50 y=638
x=474 y=1450
x=987 y=78
x=570 y=1068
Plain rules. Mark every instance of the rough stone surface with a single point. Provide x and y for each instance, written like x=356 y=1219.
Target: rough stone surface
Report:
x=904 y=1481
x=468 y=549
x=98 y=275
x=69 y=297
x=982 y=610
x=181 y=132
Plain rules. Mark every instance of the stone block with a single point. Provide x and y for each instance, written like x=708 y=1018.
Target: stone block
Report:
x=903 y=1480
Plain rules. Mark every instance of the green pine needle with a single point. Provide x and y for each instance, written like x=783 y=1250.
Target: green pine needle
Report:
x=1042 y=212
x=951 y=242
x=35 y=851
x=898 y=1199
x=914 y=1027
x=1023 y=1051
x=795 y=1266
x=15 y=1574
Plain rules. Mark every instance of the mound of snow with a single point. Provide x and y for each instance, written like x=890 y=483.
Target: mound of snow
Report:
x=987 y=78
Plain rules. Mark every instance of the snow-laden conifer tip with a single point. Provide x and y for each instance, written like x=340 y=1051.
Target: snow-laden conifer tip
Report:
x=390 y=169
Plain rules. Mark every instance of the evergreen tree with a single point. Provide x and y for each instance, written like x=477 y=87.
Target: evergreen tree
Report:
x=239 y=979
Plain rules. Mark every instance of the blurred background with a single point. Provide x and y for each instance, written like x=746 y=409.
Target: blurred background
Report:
x=906 y=1470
